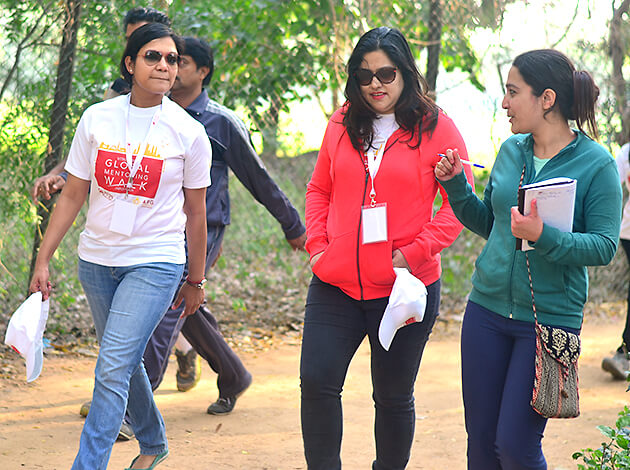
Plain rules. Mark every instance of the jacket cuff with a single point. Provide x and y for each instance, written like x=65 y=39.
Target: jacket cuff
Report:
x=316 y=245
x=295 y=232
x=414 y=260
x=456 y=186
x=547 y=238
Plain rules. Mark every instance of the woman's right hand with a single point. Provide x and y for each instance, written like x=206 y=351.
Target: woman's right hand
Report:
x=192 y=296
x=40 y=281
x=315 y=258
x=449 y=167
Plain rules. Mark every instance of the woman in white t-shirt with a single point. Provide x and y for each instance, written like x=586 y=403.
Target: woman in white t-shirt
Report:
x=145 y=163
x=619 y=363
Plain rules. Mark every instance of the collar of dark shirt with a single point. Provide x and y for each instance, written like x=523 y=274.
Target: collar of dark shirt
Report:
x=199 y=105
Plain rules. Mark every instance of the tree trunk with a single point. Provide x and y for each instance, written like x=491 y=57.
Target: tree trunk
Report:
x=617 y=50
x=58 y=111
x=435 y=44
x=269 y=128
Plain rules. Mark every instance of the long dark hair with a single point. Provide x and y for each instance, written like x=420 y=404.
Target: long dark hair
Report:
x=415 y=111
x=143 y=35
x=576 y=92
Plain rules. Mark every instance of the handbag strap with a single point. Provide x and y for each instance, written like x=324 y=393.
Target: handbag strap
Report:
x=529 y=273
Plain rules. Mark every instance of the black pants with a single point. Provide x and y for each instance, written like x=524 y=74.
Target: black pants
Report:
x=334 y=327
x=626 y=331
x=202 y=332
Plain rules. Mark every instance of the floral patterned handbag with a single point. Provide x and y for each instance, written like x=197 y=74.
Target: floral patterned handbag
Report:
x=556 y=393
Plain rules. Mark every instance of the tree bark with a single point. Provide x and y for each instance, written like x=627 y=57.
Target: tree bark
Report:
x=435 y=44
x=58 y=112
x=617 y=50
x=269 y=128
x=23 y=44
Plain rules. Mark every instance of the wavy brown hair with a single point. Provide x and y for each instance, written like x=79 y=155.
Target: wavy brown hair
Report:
x=415 y=111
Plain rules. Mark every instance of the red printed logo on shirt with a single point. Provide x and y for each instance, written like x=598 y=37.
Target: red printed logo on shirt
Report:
x=112 y=173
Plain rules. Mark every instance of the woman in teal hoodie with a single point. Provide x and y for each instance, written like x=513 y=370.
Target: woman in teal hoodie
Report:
x=543 y=92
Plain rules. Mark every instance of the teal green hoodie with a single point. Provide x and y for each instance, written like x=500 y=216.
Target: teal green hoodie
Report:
x=559 y=259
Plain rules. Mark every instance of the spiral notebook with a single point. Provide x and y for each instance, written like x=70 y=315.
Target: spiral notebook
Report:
x=556 y=203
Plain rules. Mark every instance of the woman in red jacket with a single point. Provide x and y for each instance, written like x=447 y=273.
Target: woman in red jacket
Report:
x=369 y=208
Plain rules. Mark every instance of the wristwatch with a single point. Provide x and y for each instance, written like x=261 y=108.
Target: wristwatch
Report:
x=198 y=285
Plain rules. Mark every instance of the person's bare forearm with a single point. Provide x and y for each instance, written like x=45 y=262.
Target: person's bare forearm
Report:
x=192 y=293
x=196 y=232
x=69 y=204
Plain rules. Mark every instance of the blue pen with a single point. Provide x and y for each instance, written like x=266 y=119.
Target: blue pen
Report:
x=465 y=162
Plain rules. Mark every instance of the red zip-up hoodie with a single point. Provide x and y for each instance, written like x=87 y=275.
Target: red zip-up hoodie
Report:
x=340 y=185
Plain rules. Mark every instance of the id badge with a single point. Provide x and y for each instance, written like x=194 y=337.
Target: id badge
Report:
x=123 y=217
x=374 y=223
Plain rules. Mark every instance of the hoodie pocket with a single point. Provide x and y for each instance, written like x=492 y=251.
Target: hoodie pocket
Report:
x=337 y=264
x=376 y=263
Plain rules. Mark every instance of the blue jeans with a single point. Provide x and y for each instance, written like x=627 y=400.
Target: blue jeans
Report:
x=498 y=361
x=334 y=327
x=127 y=303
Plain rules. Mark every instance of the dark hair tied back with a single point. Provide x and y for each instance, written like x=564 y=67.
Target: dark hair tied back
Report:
x=585 y=94
x=576 y=92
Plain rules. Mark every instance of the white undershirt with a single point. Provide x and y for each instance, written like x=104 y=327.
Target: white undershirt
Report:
x=384 y=126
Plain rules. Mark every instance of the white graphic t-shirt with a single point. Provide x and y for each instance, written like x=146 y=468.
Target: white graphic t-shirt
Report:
x=177 y=155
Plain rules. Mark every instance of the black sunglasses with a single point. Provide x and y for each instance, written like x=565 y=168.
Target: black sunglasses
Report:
x=385 y=75
x=152 y=57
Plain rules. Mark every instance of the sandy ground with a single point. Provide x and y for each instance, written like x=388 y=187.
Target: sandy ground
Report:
x=40 y=424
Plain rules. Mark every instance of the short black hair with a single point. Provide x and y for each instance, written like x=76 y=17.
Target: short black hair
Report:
x=201 y=53
x=148 y=14
x=143 y=35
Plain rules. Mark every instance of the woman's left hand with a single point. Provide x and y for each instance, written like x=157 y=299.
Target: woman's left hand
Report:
x=528 y=227
x=193 y=296
x=399 y=261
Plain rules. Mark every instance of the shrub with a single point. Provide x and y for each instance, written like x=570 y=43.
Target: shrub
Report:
x=613 y=454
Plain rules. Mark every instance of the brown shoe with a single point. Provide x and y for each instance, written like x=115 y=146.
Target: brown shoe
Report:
x=188 y=370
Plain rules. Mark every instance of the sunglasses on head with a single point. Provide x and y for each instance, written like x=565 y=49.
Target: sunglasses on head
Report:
x=384 y=74
x=152 y=57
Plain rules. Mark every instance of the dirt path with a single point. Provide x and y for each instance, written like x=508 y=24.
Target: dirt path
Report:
x=40 y=425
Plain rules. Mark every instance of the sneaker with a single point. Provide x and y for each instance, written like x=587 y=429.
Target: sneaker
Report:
x=126 y=432
x=225 y=405
x=618 y=365
x=222 y=406
x=188 y=370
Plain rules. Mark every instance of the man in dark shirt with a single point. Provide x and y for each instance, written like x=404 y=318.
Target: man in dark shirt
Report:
x=231 y=148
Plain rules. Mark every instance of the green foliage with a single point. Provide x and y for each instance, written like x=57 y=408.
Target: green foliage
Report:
x=269 y=54
x=614 y=454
